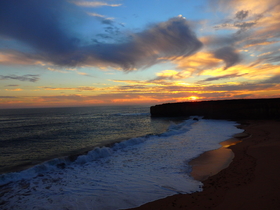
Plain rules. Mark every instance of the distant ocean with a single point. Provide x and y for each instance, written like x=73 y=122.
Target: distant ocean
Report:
x=99 y=157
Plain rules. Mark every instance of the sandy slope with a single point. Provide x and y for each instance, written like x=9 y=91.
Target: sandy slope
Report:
x=252 y=180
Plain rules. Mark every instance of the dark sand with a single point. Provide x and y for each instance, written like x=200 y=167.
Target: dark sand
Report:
x=213 y=161
x=251 y=181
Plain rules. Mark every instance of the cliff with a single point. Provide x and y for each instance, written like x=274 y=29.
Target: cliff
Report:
x=222 y=109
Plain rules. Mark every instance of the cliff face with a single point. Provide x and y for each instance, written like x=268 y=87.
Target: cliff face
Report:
x=222 y=109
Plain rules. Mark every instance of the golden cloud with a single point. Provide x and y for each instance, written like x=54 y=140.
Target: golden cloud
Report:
x=16 y=89
x=16 y=58
x=198 y=62
x=74 y=88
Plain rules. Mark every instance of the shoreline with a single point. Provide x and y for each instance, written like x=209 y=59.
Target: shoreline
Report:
x=251 y=181
x=212 y=162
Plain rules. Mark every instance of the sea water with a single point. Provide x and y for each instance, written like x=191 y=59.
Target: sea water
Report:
x=100 y=157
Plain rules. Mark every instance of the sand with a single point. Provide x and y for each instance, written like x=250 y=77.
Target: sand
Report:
x=213 y=161
x=250 y=181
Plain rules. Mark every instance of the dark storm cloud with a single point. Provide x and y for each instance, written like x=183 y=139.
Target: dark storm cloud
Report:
x=243 y=26
x=27 y=77
x=273 y=80
x=243 y=86
x=221 y=77
x=36 y=23
x=39 y=25
x=12 y=85
x=240 y=15
x=273 y=57
x=229 y=55
x=107 y=21
x=234 y=40
x=167 y=39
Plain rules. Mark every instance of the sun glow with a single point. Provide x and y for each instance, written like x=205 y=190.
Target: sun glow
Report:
x=192 y=98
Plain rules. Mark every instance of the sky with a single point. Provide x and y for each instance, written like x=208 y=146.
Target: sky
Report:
x=60 y=53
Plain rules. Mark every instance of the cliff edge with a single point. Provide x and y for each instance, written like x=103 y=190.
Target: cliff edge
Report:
x=222 y=109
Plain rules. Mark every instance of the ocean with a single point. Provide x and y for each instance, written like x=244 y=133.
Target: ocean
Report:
x=110 y=157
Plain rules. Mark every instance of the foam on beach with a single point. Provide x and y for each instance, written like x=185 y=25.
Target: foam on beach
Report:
x=125 y=175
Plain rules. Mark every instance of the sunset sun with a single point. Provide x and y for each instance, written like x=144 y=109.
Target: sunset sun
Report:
x=192 y=98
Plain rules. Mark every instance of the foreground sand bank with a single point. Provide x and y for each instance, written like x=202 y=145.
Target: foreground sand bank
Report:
x=251 y=181
x=211 y=162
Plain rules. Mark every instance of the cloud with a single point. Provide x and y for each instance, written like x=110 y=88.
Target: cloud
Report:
x=102 y=98
x=7 y=97
x=99 y=16
x=94 y=4
x=218 y=41
x=240 y=15
x=257 y=42
x=11 y=85
x=56 y=70
x=79 y=89
x=240 y=87
x=256 y=7
x=16 y=89
x=272 y=80
x=27 y=77
x=196 y=63
x=12 y=57
x=255 y=24
x=171 y=75
x=221 y=77
x=102 y=18
x=243 y=26
x=178 y=91
x=71 y=97
x=252 y=23
x=84 y=74
x=229 y=55
x=38 y=24
x=167 y=39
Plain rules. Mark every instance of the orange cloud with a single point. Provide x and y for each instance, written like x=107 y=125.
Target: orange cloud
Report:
x=141 y=94
x=16 y=58
x=16 y=89
x=167 y=73
x=133 y=100
x=259 y=6
x=75 y=88
x=198 y=62
x=172 y=75
x=245 y=72
x=260 y=43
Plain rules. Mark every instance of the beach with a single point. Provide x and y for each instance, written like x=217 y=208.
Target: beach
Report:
x=251 y=180
x=152 y=165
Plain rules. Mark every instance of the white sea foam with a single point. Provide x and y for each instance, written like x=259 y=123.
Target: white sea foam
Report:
x=125 y=175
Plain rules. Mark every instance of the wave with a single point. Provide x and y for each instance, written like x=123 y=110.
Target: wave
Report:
x=93 y=155
x=130 y=172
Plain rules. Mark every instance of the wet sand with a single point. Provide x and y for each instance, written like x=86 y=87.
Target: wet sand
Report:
x=212 y=162
x=251 y=181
